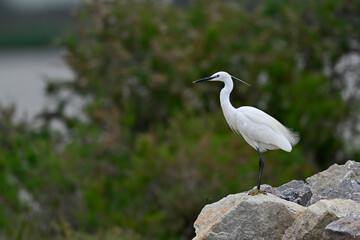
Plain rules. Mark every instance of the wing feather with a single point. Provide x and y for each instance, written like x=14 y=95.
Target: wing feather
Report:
x=266 y=129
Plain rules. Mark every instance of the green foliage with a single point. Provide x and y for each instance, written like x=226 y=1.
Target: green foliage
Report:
x=29 y=29
x=147 y=62
x=113 y=234
x=155 y=148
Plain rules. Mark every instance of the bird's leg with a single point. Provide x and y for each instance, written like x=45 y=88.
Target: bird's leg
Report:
x=261 y=166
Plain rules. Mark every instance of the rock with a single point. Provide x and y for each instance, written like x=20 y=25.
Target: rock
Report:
x=295 y=191
x=332 y=210
x=310 y=224
x=241 y=216
x=346 y=228
x=338 y=181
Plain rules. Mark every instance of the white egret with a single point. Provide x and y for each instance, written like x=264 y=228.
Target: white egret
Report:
x=260 y=130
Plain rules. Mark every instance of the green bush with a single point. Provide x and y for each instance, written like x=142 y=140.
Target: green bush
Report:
x=138 y=64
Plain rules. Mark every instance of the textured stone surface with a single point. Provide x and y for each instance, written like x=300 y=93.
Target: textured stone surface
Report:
x=338 y=181
x=331 y=197
x=213 y=213
x=241 y=216
x=346 y=228
x=310 y=224
x=295 y=191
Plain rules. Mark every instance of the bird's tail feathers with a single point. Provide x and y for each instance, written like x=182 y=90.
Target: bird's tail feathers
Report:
x=292 y=136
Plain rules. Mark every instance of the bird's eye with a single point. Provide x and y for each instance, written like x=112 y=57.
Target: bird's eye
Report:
x=218 y=75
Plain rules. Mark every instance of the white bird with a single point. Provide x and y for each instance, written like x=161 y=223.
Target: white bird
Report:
x=260 y=130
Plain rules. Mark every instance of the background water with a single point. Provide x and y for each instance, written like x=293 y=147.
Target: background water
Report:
x=24 y=75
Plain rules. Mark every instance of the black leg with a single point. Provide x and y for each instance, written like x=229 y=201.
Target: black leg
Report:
x=261 y=166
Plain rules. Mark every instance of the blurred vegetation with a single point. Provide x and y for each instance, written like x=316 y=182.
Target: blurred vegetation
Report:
x=155 y=148
x=20 y=29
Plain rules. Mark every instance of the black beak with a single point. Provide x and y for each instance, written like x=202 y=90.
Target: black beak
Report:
x=205 y=79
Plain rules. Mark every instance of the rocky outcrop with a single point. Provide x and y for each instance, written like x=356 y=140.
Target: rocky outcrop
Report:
x=346 y=228
x=326 y=206
x=310 y=224
x=339 y=181
x=241 y=216
x=295 y=191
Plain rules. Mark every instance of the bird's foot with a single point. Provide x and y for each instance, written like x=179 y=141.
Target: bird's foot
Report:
x=256 y=192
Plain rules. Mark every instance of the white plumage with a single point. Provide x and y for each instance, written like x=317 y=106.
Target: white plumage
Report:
x=260 y=130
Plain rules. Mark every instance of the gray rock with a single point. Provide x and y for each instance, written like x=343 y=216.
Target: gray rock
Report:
x=332 y=197
x=241 y=216
x=338 y=181
x=295 y=191
x=310 y=224
x=346 y=228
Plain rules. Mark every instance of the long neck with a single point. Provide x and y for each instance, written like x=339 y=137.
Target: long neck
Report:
x=225 y=96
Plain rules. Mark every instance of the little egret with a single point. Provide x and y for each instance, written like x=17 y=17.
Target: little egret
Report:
x=260 y=130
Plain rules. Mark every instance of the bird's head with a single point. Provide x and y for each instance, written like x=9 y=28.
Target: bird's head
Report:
x=221 y=77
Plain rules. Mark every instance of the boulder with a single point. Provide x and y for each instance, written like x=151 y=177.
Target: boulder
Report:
x=296 y=191
x=311 y=223
x=338 y=181
x=241 y=216
x=345 y=228
x=326 y=206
